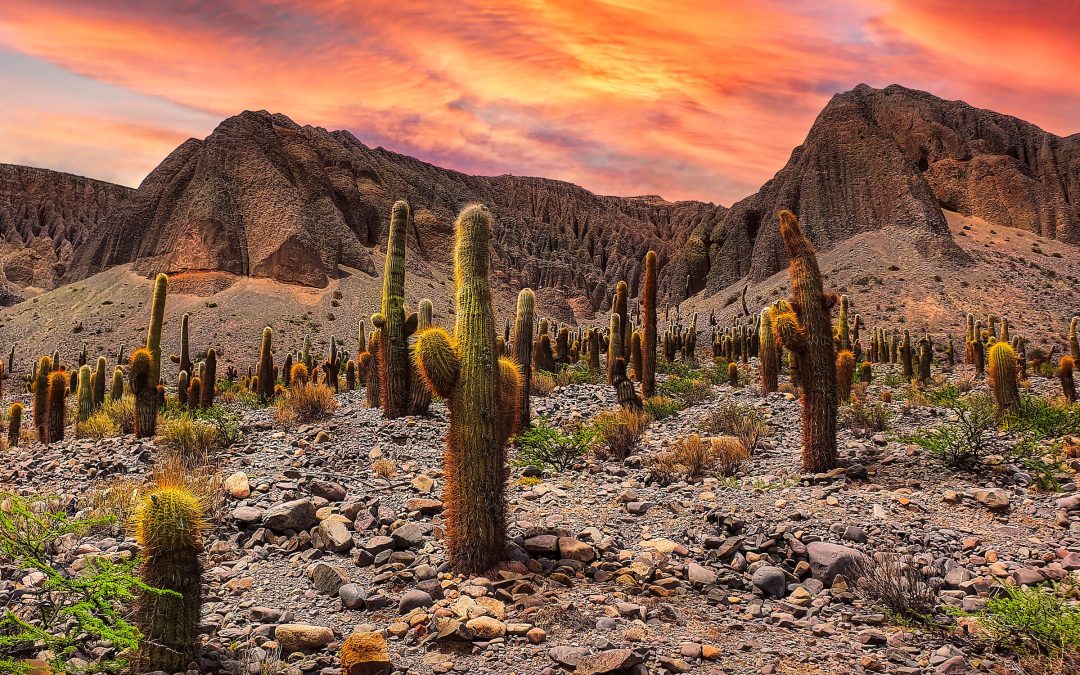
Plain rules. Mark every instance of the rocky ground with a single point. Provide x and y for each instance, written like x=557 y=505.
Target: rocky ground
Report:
x=608 y=572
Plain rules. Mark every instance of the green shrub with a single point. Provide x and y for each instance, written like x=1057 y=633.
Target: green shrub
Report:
x=864 y=419
x=545 y=447
x=690 y=391
x=98 y=426
x=121 y=412
x=963 y=443
x=661 y=407
x=1032 y=620
x=189 y=438
x=82 y=609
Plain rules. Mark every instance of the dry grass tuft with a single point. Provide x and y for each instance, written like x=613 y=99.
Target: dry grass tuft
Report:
x=304 y=403
x=384 y=468
x=619 y=430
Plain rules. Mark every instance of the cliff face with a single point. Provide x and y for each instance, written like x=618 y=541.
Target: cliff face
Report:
x=265 y=197
x=895 y=156
x=45 y=218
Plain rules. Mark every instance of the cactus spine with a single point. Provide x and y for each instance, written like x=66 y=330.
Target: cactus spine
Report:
x=648 y=320
x=804 y=329
x=145 y=393
x=522 y=352
x=483 y=395
x=395 y=328
x=1002 y=375
x=168 y=525
x=266 y=382
x=845 y=374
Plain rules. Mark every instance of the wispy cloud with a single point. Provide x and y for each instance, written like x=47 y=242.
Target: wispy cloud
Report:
x=696 y=99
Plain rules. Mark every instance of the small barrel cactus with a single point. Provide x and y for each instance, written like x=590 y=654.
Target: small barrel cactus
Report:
x=1002 y=376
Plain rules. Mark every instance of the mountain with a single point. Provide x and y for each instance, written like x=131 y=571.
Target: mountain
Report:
x=264 y=197
x=45 y=219
x=877 y=158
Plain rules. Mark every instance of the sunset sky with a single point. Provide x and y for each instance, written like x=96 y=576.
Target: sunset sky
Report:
x=698 y=99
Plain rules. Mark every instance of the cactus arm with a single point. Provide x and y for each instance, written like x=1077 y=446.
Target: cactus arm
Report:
x=786 y=328
x=437 y=360
x=508 y=399
x=411 y=323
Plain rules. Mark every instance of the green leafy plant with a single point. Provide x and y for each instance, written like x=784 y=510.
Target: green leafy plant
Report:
x=1033 y=620
x=661 y=407
x=689 y=390
x=70 y=611
x=962 y=444
x=864 y=419
x=546 y=447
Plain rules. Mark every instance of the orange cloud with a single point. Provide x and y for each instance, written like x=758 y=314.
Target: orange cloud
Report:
x=696 y=99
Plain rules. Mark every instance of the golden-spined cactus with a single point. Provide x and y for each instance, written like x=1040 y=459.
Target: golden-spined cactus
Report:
x=85 y=396
x=768 y=358
x=168 y=526
x=483 y=395
x=421 y=396
x=58 y=384
x=1002 y=376
x=145 y=391
x=40 y=399
x=845 y=374
x=14 y=429
x=806 y=332
x=1066 y=366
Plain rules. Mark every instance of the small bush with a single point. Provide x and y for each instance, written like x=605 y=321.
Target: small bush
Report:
x=384 y=468
x=963 y=443
x=98 y=426
x=188 y=438
x=664 y=467
x=695 y=456
x=545 y=447
x=866 y=419
x=306 y=403
x=576 y=373
x=543 y=383
x=619 y=432
x=1033 y=620
x=900 y=584
x=661 y=407
x=743 y=421
x=121 y=412
x=690 y=391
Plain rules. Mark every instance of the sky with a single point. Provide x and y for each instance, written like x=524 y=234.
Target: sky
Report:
x=691 y=99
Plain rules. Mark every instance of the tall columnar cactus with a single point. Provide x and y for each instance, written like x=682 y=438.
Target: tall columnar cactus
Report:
x=369 y=363
x=183 y=385
x=145 y=391
x=99 y=381
x=926 y=357
x=1074 y=338
x=85 y=394
x=350 y=375
x=332 y=365
x=395 y=327
x=635 y=356
x=805 y=331
x=593 y=340
x=769 y=360
x=153 y=332
x=266 y=366
x=169 y=524
x=1065 y=374
x=209 y=379
x=117 y=391
x=183 y=359
x=1004 y=336
x=843 y=340
x=622 y=291
x=562 y=346
x=361 y=337
x=614 y=350
x=40 y=401
x=978 y=354
x=483 y=395
x=14 y=430
x=907 y=357
x=845 y=374
x=421 y=395
x=194 y=393
x=522 y=352
x=648 y=321
x=58 y=384
x=624 y=387
x=1002 y=375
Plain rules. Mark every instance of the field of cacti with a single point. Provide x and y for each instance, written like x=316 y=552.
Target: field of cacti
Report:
x=786 y=483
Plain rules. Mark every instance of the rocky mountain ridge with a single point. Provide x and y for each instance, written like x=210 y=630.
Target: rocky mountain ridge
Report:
x=262 y=196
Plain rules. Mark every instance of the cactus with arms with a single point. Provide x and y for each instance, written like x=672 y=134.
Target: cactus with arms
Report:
x=482 y=393
x=804 y=330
